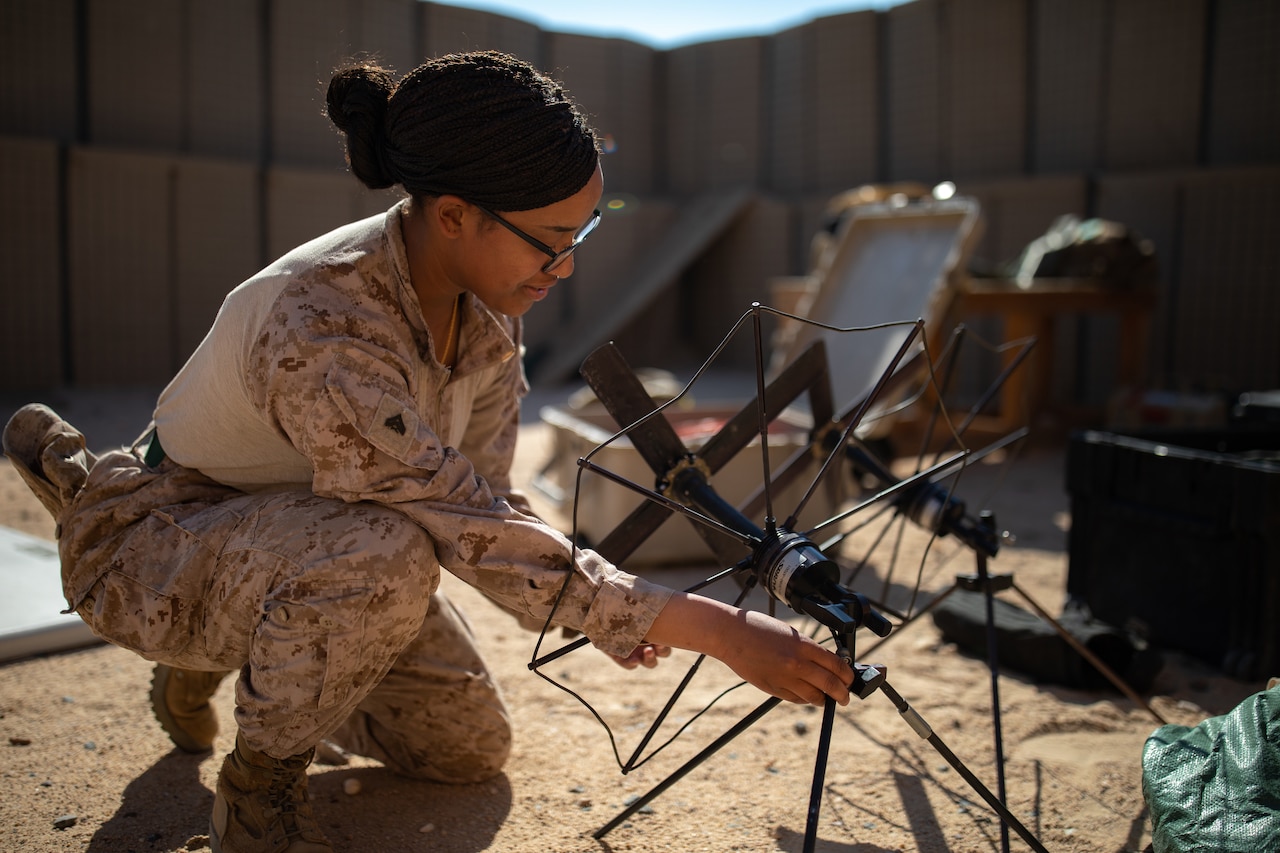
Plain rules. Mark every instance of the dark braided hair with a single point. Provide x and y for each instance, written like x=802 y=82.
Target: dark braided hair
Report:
x=484 y=126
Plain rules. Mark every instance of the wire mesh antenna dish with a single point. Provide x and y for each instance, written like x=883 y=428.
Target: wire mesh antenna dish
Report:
x=785 y=559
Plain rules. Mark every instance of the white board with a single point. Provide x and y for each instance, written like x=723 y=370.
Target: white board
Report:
x=31 y=621
x=888 y=263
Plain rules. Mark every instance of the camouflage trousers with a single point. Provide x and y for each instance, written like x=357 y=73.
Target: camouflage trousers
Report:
x=329 y=610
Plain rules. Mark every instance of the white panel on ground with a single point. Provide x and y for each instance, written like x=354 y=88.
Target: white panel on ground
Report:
x=31 y=617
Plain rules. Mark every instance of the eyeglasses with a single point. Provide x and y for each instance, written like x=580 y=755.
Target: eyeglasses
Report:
x=557 y=258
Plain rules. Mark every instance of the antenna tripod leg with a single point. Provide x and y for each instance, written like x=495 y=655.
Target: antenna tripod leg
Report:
x=921 y=728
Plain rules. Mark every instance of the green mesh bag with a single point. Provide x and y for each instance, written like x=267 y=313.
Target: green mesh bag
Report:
x=1216 y=786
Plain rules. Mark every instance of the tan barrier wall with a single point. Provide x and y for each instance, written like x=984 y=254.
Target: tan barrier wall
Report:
x=202 y=123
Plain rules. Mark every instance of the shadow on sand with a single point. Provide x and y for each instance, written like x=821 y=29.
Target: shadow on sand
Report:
x=167 y=808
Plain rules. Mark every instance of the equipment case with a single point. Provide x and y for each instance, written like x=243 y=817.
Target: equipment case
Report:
x=1176 y=535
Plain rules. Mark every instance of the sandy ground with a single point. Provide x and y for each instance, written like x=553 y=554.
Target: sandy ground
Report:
x=85 y=766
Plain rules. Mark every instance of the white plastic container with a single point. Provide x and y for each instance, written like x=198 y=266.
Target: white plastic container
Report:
x=603 y=504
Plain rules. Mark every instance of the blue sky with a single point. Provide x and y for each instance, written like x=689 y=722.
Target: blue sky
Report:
x=666 y=23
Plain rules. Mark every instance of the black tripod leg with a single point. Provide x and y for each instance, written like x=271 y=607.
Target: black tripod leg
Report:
x=993 y=665
x=920 y=727
x=819 y=775
x=742 y=725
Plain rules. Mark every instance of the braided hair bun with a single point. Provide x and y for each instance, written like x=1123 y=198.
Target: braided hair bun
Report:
x=484 y=126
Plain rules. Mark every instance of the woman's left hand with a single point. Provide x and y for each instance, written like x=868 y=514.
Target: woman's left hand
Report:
x=645 y=654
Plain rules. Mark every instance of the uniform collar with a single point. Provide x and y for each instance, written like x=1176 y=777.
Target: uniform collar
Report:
x=487 y=338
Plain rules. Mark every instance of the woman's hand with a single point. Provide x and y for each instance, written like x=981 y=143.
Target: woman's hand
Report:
x=778 y=659
x=763 y=651
x=645 y=654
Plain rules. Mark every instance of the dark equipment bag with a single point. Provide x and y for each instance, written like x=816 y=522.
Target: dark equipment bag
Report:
x=1030 y=645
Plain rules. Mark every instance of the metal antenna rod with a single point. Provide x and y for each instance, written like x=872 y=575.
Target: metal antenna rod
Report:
x=714 y=747
x=770 y=523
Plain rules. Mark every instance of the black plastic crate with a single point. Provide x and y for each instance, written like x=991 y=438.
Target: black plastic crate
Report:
x=1176 y=534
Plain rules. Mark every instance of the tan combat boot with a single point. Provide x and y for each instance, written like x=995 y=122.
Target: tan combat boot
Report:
x=261 y=805
x=180 y=700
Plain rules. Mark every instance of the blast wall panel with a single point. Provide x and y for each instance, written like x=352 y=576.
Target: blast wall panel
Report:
x=1225 y=331
x=791 y=106
x=985 y=88
x=387 y=32
x=39 y=67
x=715 y=125
x=121 y=267
x=226 y=72
x=1155 y=83
x=914 y=67
x=303 y=204
x=612 y=81
x=846 y=80
x=1069 y=55
x=31 y=342
x=683 y=140
x=1015 y=212
x=217 y=242
x=307 y=43
x=1244 y=97
x=452 y=29
x=732 y=274
x=599 y=270
x=135 y=74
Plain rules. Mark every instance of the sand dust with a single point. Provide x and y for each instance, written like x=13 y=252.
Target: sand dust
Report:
x=87 y=768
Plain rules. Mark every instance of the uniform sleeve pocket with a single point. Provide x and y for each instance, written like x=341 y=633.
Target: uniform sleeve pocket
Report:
x=380 y=412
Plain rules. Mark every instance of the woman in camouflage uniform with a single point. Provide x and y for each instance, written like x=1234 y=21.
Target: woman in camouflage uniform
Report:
x=346 y=430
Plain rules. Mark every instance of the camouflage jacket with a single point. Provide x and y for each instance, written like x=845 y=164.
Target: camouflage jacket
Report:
x=319 y=374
